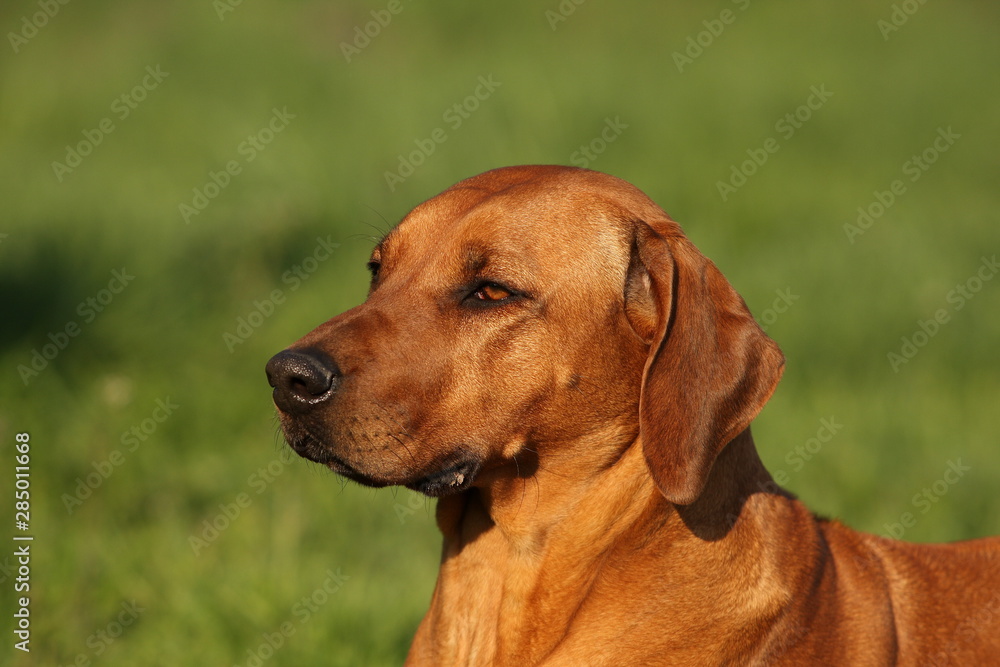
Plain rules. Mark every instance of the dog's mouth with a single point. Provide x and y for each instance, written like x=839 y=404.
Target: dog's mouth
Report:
x=446 y=478
x=310 y=448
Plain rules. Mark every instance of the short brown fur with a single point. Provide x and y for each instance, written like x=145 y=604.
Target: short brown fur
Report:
x=619 y=514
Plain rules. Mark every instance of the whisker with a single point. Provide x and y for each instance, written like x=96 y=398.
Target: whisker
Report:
x=388 y=225
x=403 y=431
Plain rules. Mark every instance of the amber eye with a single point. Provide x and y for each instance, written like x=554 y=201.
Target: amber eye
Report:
x=491 y=292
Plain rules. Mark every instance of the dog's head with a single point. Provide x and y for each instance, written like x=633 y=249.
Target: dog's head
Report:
x=526 y=313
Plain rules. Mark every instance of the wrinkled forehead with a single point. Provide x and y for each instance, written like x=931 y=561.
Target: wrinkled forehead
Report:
x=539 y=227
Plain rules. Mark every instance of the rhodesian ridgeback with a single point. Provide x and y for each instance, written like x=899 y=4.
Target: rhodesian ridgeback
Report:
x=544 y=351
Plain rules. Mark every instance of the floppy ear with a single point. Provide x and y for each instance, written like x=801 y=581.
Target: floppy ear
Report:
x=710 y=368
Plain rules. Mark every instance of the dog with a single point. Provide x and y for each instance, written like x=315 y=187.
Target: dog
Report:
x=544 y=351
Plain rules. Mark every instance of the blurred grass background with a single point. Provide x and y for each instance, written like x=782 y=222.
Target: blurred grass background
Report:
x=323 y=176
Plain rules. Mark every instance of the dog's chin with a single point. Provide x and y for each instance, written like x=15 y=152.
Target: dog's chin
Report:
x=447 y=481
x=344 y=470
x=443 y=480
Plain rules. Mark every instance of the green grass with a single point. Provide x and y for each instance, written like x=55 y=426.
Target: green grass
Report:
x=324 y=174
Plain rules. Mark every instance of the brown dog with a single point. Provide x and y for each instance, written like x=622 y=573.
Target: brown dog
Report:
x=545 y=351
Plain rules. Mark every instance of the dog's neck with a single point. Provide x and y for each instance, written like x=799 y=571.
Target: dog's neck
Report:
x=494 y=597
x=738 y=475
x=613 y=490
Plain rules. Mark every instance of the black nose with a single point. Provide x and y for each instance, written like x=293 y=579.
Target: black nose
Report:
x=301 y=379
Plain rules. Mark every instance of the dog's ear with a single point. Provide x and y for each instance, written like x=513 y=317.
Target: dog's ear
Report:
x=710 y=367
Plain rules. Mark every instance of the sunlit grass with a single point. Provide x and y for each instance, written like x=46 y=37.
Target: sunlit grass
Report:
x=323 y=175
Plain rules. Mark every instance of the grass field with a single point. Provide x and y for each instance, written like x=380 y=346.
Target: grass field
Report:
x=189 y=187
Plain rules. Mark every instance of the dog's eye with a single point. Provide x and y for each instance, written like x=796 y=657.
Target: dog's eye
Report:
x=491 y=292
x=373 y=268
